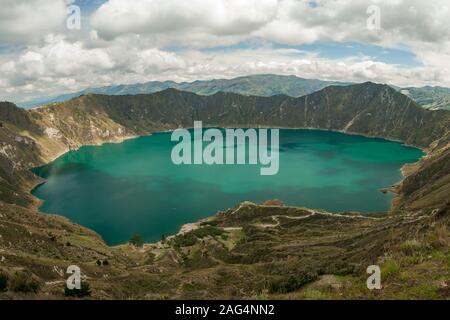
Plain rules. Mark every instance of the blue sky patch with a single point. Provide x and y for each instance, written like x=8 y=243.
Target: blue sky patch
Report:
x=329 y=50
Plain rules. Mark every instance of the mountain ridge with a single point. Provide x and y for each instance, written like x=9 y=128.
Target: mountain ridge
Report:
x=260 y=84
x=370 y=109
x=267 y=244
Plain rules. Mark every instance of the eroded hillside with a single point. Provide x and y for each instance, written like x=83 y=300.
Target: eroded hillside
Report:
x=252 y=250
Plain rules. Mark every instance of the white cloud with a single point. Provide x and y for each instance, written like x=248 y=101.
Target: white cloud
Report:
x=402 y=21
x=419 y=25
x=60 y=65
x=29 y=20
x=182 y=22
x=288 y=21
x=356 y=69
x=125 y=44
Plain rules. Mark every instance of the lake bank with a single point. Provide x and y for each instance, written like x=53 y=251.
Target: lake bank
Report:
x=227 y=193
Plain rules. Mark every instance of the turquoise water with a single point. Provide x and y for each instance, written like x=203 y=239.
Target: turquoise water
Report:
x=134 y=188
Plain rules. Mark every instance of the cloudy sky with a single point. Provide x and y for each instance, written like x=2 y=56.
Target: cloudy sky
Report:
x=43 y=53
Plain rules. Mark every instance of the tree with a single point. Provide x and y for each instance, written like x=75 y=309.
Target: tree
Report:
x=84 y=291
x=136 y=241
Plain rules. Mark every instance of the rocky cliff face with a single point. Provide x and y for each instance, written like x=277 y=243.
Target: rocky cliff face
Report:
x=429 y=185
x=369 y=109
x=34 y=137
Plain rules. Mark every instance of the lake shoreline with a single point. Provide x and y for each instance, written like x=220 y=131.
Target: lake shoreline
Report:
x=116 y=141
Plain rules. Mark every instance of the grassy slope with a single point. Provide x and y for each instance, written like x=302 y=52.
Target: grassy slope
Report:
x=255 y=251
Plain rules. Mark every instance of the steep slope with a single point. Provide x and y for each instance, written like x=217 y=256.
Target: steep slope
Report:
x=265 y=85
x=429 y=185
x=370 y=109
x=245 y=251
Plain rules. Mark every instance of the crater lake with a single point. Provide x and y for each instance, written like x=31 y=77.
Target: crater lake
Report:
x=133 y=187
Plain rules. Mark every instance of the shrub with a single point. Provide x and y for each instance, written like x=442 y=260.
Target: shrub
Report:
x=207 y=231
x=292 y=283
x=23 y=282
x=185 y=240
x=3 y=282
x=150 y=258
x=190 y=238
x=440 y=237
x=136 y=241
x=411 y=247
x=84 y=291
x=390 y=269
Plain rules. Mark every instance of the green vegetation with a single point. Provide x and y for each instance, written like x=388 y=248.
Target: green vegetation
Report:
x=411 y=247
x=84 y=291
x=102 y=263
x=292 y=283
x=190 y=238
x=24 y=282
x=150 y=258
x=136 y=241
x=3 y=282
x=390 y=269
x=207 y=231
x=440 y=237
x=242 y=266
x=185 y=240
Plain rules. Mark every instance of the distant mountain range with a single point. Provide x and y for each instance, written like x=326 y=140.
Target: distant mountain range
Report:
x=432 y=98
x=264 y=85
x=256 y=85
